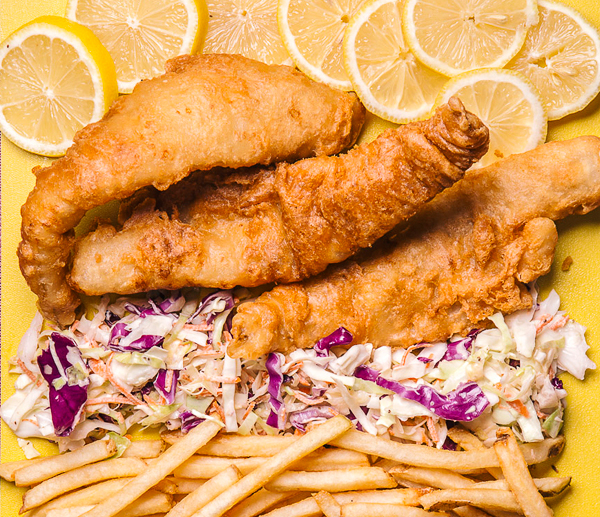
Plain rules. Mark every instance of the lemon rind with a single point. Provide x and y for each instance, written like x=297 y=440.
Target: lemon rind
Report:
x=297 y=57
x=360 y=87
x=94 y=56
x=450 y=71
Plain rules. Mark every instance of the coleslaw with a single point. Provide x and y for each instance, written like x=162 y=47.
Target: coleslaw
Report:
x=161 y=360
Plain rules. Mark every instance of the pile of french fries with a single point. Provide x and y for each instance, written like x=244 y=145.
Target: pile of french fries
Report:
x=331 y=470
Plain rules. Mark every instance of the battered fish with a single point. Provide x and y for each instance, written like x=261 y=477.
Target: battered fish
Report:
x=206 y=111
x=468 y=254
x=286 y=224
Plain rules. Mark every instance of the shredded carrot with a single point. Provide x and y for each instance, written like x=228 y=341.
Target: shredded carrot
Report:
x=219 y=378
x=307 y=400
x=169 y=380
x=34 y=422
x=414 y=347
x=103 y=369
x=432 y=429
x=199 y=326
x=29 y=373
x=248 y=410
x=560 y=323
x=518 y=406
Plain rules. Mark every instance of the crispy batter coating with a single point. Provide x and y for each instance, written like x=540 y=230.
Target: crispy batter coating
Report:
x=285 y=224
x=467 y=254
x=205 y=111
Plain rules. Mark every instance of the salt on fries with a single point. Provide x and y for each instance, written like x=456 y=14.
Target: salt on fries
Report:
x=331 y=470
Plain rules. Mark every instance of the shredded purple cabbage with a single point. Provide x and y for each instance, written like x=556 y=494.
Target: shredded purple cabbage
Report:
x=226 y=295
x=142 y=344
x=459 y=350
x=160 y=385
x=299 y=419
x=463 y=404
x=273 y=363
x=338 y=337
x=189 y=421
x=424 y=359
x=557 y=383
x=66 y=402
x=448 y=445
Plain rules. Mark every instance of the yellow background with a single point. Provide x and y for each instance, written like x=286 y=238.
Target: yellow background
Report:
x=579 y=289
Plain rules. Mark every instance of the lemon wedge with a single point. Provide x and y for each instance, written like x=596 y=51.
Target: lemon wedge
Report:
x=142 y=36
x=55 y=78
x=561 y=57
x=454 y=36
x=384 y=72
x=246 y=27
x=313 y=33
x=509 y=106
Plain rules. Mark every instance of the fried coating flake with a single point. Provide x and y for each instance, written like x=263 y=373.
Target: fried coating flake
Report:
x=205 y=111
x=468 y=254
x=283 y=224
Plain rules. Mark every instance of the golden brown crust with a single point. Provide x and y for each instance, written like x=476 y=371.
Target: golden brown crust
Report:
x=285 y=224
x=468 y=254
x=206 y=111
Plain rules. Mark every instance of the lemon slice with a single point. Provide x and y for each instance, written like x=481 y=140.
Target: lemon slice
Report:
x=454 y=36
x=509 y=106
x=141 y=36
x=384 y=72
x=55 y=78
x=561 y=57
x=313 y=33
x=246 y=27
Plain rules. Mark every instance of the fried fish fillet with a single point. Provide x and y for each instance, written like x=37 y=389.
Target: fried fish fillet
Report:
x=205 y=111
x=468 y=254
x=283 y=224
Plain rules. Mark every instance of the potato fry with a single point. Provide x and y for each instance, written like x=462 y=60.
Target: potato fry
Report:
x=9 y=469
x=383 y=510
x=236 y=446
x=258 y=503
x=169 y=461
x=309 y=507
x=437 y=478
x=54 y=465
x=82 y=476
x=515 y=470
x=548 y=487
x=205 y=467
x=424 y=456
x=328 y=505
x=144 y=449
x=206 y=493
x=312 y=440
x=362 y=478
x=469 y=511
x=469 y=442
x=487 y=499
x=85 y=496
x=150 y=503
x=186 y=486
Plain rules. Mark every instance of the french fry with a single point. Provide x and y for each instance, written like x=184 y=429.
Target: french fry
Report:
x=441 y=500
x=437 y=478
x=469 y=511
x=85 y=496
x=312 y=440
x=206 y=493
x=169 y=461
x=258 y=503
x=144 y=449
x=383 y=510
x=424 y=456
x=309 y=507
x=236 y=446
x=205 y=467
x=82 y=476
x=150 y=503
x=515 y=470
x=186 y=486
x=548 y=487
x=469 y=442
x=9 y=469
x=328 y=505
x=362 y=478
x=54 y=465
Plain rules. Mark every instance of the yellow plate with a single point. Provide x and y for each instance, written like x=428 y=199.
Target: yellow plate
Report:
x=579 y=289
